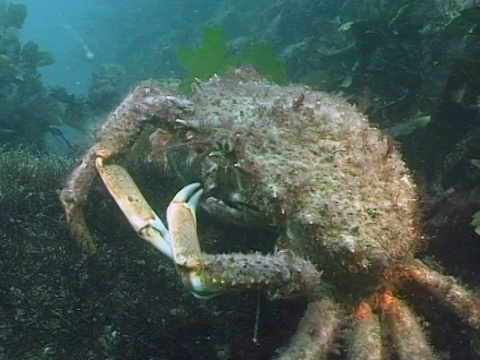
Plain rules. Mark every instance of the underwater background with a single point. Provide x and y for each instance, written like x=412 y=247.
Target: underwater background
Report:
x=412 y=67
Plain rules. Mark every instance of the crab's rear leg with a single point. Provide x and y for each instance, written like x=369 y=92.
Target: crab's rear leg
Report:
x=317 y=332
x=446 y=289
x=365 y=339
x=409 y=339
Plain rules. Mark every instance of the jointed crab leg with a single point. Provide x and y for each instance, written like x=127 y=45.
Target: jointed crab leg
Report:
x=283 y=274
x=183 y=226
x=366 y=336
x=74 y=195
x=447 y=290
x=405 y=331
x=134 y=206
x=317 y=332
x=116 y=136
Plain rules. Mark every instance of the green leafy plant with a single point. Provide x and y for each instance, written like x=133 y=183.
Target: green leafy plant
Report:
x=265 y=61
x=212 y=57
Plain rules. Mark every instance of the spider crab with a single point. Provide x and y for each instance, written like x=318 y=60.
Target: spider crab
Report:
x=304 y=162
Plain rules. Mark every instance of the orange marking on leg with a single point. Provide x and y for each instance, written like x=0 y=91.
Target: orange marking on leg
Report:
x=363 y=311
x=387 y=301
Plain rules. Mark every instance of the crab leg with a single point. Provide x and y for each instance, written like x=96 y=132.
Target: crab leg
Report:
x=366 y=337
x=131 y=202
x=115 y=136
x=404 y=330
x=282 y=274
x=316 y=333
x=182 y=222
x=74 y=195
x=446 y=289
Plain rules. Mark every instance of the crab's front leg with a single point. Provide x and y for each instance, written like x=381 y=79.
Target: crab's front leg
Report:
x=282 y=274
x=133 y=205
x=115 y=137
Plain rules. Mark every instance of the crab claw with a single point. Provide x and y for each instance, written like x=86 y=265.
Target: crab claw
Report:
x=187 y=255
x=182 y=223
x=134 y=206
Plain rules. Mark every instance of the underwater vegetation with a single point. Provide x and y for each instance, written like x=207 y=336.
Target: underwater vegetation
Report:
x=212 y=57
x=28 y=109
x=31 y=110
x=391 y=58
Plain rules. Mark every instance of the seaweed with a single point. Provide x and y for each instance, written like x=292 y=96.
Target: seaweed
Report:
x=212 y=57
x=28 y=108
x=261 y=56
x=33 y=57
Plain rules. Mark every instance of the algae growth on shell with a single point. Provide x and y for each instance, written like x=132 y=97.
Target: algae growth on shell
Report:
x=333 y=184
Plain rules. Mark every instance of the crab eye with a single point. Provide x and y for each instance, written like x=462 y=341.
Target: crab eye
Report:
x=227 y=145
